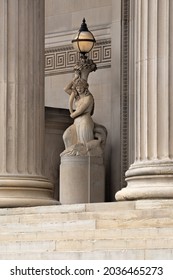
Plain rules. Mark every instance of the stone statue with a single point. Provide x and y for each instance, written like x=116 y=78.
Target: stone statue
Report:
x=82 y=172
x=83 y=137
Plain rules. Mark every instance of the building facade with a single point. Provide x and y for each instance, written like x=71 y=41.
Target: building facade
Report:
x=132 y=91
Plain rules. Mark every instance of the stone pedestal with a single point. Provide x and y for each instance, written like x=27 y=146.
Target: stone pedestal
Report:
x=82 y=179
x=22 y=180
x=151 y=175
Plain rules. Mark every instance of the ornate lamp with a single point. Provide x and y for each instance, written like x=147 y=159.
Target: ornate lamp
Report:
x=84 y=40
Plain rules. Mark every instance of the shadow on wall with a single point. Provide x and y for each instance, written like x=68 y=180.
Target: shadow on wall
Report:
x=57 y=120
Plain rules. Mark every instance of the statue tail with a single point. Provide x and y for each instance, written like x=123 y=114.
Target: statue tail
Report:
x=100 y=133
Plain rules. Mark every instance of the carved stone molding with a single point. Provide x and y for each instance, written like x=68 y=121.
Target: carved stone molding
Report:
x=124 y=106
x=62 y=59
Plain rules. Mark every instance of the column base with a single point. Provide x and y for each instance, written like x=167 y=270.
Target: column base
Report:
x=23 y=191
x=148 y=180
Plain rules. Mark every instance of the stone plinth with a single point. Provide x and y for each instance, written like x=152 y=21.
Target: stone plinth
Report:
x=82 y=179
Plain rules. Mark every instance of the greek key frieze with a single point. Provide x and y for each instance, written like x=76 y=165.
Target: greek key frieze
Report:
x=50 y=61
x=62 y=59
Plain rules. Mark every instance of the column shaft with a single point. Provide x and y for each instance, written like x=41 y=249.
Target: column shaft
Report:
x=22 y=180
x=151 y=175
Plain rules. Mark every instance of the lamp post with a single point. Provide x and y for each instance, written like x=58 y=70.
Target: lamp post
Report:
x=84 y=40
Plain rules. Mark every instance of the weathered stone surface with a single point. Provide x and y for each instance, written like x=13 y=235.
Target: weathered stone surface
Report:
x=82 y=179
x=22 y=178
x=118 y=230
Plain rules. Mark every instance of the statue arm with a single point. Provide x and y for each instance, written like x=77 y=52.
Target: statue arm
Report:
x=71 y=99
x=69 y=87
x=82 y=107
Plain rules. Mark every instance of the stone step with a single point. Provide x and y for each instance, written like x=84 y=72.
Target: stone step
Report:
x=54 y=226
x=75 y=225
x=140 y=233
x=85 y=245
x=72 y=208
x=154 y=204
x=91 y=207
x=138 y=223
x=118 y=254
x=109 y=255
x=113 y=244
x=86 y=224
x=119 y=215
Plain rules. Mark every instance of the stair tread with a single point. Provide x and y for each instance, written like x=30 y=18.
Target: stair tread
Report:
x=142 y=233
x=91 y=207
x=137 y=233
x=86 y=245
x=109 y=215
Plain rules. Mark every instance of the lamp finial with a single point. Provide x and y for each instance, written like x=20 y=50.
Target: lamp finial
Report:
x=83 y=26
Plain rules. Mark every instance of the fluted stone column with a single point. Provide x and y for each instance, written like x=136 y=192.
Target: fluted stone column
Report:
x=22 y=182
x=151 y=175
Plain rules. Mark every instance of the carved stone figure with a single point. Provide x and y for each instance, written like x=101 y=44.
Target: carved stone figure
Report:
x=83 y=137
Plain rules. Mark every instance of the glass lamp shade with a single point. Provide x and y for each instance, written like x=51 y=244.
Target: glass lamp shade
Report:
x=84 y=40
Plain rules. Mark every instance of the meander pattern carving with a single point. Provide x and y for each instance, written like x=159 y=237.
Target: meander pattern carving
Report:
x=62 y=59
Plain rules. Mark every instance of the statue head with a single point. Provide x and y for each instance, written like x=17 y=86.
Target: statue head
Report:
x=81 y=86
